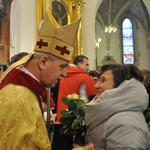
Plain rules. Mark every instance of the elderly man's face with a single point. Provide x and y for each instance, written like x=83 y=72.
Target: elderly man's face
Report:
x=53 y=71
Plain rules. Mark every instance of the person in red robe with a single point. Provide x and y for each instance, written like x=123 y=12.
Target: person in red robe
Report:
x=76 y=79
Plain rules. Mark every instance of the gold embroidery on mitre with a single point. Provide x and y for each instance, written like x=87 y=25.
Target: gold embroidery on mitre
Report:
x=50 y=45
x=55 y=39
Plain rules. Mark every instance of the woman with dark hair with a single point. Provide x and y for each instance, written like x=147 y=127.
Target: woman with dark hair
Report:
x=115 y=119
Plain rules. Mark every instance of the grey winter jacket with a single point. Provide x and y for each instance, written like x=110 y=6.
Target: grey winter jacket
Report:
x=116 y=122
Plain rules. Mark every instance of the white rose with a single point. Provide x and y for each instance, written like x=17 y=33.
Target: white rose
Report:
x=83 y=98
x=75 y=96
x=69 y=96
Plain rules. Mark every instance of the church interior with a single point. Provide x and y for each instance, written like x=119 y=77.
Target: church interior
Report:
x=111 y=106
x=103 y=36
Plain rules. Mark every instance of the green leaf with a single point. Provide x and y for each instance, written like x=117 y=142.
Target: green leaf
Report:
x=73 y=118
x=63 y=121
x=67 y=121
x=81 y=113
x=66 y=101
x=67 y=114
x=72 y=105
x=76 y=123
x=63 y=112
x=80 y=104
x=65 y=130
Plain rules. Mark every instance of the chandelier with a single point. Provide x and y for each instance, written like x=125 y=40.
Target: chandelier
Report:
x=97 y=44
x=110 y=29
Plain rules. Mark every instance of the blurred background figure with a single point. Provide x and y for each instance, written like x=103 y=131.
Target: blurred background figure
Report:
x=146 y=80
x=95 y=75
x=3 y=67
x=17 y=57
x=146 y=76
x=146 y=83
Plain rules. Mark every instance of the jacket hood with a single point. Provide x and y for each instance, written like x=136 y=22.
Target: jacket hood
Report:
x=131 y=95
x=73 y=69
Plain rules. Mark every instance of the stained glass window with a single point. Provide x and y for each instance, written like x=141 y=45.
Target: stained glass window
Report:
x=127 y=41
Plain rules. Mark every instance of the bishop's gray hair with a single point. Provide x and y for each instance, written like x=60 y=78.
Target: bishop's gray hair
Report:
x=50 y=56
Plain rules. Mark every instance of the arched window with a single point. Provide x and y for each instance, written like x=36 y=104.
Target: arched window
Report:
x=128 y=41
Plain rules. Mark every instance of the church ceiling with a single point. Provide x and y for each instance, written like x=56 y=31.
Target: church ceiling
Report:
x=110 y=11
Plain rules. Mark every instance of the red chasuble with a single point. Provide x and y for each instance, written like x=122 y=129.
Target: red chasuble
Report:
x=19 y=77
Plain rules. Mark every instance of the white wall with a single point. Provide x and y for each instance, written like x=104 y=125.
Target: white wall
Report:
x=144 y=61
x=88 y=30
x=22 y=26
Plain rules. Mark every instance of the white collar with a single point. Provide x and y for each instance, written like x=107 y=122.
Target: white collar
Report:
x=28 y=72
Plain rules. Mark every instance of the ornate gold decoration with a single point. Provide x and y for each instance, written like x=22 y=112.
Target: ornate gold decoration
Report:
x=41 y=6
x=78 y=4
x=55 y=39
x=74 y=8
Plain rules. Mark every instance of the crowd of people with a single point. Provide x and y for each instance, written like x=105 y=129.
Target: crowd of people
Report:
x=117 y=97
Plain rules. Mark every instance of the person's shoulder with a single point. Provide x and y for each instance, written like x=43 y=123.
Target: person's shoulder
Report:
x=124 y=118
x=88 y=76
x=24 y=94
x=75 y=70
